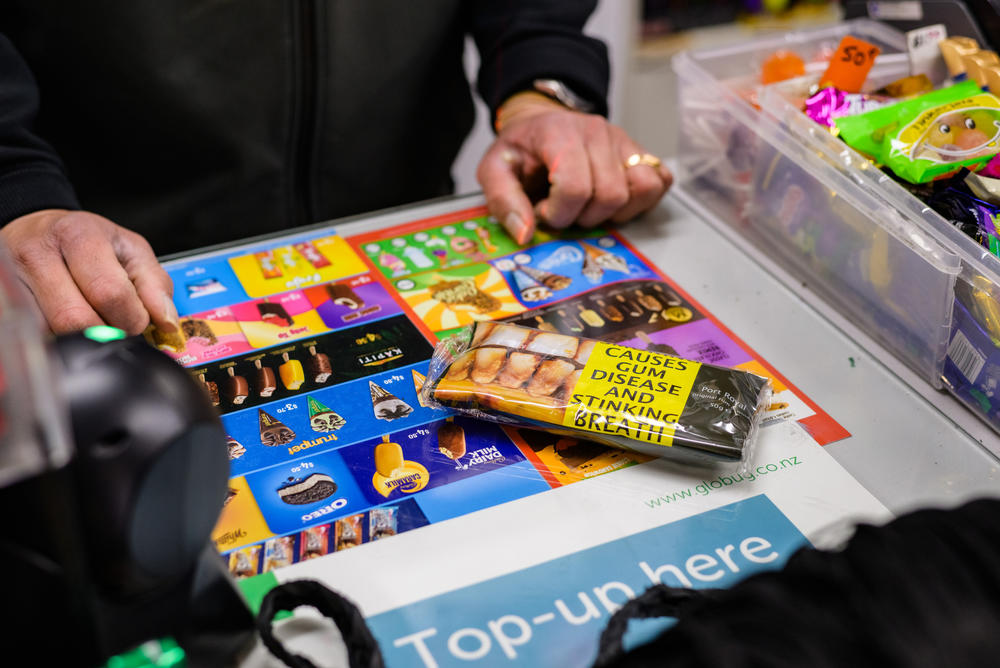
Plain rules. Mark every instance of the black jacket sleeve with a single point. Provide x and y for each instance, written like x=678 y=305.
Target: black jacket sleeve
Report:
x=523 y=40
x=31 y=174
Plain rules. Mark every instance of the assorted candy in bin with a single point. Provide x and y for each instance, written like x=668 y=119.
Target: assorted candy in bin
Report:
x=974 y=216
x=931 y=136
x=628 y=398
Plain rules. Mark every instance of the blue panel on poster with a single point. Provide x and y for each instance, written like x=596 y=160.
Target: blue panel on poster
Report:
x=552 y=614
x=201 y=286
x=352 y=401
x=558 y=270
x=489 y=489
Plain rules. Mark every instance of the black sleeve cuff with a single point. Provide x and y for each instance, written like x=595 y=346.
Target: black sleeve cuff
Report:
x=579 y=62
x=33 y=189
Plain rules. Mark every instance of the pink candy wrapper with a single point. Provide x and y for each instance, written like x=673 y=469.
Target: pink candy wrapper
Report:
x=831 y=103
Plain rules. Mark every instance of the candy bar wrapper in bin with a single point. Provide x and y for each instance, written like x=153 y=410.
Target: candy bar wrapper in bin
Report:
x=627 y=398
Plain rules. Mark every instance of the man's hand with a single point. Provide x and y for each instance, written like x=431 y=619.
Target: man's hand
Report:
x=576 y=161
x=84 y=270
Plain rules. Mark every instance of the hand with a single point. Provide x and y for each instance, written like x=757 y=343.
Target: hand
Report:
x=84 y=270
x=574 y=162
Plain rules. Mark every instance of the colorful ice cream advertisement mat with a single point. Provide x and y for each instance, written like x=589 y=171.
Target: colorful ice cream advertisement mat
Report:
x=314 y=348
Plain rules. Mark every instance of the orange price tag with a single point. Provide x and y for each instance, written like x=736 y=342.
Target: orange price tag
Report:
x=849 y=65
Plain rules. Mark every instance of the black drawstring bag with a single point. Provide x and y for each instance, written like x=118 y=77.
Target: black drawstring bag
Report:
x=922 y=591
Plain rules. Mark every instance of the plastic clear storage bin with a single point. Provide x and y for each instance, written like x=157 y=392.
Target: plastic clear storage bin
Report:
x=971 y=366
x=791 y=193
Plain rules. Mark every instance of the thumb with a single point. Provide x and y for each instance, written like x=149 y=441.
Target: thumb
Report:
x=152 y=283
x=505 y=197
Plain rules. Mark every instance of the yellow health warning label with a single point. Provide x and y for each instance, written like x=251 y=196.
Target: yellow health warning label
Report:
x=631 y=393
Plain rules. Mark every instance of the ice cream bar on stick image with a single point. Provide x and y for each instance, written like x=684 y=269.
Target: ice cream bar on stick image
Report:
x=610 y=311
x=590 y=316
x=570 y=321
x=291 y=372
x=649 y=302
x=274 y=314
x=264 y=380
x=211 y=388
x=272 y=431
x=638 y=400
x=342 y=295
x=388 y=457
x=631 y=307
x=655 y=347
x=606 y=259
x=321 y=418
x=451 y=440
x=235 y=388
x=669 y=296
x=385 y=405
x=320 y=369
x=544 y=324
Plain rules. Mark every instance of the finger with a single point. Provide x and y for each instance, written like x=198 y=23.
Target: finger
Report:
x=570 y=182
x=151 y=281
x=611 y=188
x=506 y=200
x=104 y=283
x=44 y=273
x=647 y=185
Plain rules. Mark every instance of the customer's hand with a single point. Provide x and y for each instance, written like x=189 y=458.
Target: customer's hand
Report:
x=84 y=270
x=572 y=163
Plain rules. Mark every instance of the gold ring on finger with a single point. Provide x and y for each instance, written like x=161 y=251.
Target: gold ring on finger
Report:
x=637 y=159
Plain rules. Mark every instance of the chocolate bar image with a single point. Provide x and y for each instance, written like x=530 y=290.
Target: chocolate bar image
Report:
x=343 y=295
x=194 y=328
x=274 y=314
x=318 y=366
x=451 y=440
x=264 y=380
x=235 y=389
x=314 y=487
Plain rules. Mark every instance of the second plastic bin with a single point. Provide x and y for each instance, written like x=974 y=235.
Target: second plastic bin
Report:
x=878 y=264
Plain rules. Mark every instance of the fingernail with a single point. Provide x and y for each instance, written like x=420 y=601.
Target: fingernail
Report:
x=170 y=315
x=517 y=228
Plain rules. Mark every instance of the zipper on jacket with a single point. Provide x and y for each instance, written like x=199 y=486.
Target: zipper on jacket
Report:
x=304 y=115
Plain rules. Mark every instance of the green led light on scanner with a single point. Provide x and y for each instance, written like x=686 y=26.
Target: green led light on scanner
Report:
x=104 y=333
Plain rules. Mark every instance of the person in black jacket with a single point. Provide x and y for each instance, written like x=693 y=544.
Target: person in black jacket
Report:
x=195 y=122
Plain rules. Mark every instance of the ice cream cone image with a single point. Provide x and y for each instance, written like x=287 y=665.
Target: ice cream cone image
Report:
x=605 y=259
x=530 y=289
x=546 y=278
x=418 y=384
x=321 y=418
x=591 y=270
x=385 y=405
x=272 y=431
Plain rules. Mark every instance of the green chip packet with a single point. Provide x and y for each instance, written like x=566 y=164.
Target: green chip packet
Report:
x=930 y=136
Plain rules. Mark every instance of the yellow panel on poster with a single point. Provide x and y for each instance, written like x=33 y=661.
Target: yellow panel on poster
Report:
x=296 y=266
x=240 y=522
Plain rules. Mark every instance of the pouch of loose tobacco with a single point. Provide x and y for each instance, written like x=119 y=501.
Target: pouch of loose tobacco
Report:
x=623 y=397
